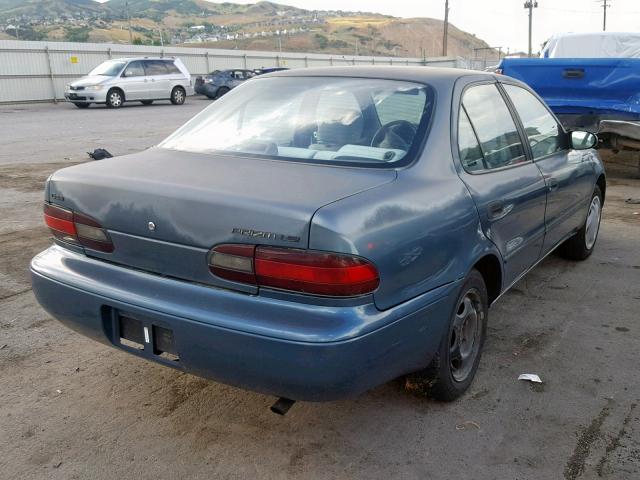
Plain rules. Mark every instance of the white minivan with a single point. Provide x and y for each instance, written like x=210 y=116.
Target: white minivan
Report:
x=132 y=79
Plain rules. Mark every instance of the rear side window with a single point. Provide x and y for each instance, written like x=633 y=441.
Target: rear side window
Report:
x=494 y=126
x=171 y=67
x=544 y=134
x=155 y=67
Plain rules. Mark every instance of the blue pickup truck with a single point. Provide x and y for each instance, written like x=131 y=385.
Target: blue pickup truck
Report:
x=601 y=95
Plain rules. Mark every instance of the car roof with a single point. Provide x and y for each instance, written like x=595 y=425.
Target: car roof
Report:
x=389 y=72
x=128 y=59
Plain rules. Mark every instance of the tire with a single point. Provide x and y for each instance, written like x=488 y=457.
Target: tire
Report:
x=146 y=102
x=222 y=91
x=115 y=98
x=178 y=95
x=81 y=105
x=581 y=245
x=454 y=365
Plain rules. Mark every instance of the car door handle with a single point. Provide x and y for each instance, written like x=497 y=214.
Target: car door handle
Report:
x=552 y=184
x=573 y=73
x=498 y=209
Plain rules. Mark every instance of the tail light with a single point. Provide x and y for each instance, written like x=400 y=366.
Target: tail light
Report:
x=76 y=228
x=305 y=271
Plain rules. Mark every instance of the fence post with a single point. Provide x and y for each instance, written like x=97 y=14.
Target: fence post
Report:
x=277 y=60
x=53 y=83
x=331 y=61
x=306 y=61
x=244 y=60
x=391 y=61
x=109 y=52
x=206 y=56
x=373 y=60
x=162 y=53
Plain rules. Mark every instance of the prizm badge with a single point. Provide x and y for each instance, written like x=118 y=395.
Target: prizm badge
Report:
x=249 y=232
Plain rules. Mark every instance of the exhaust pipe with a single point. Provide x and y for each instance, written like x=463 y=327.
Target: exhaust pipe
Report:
x=282 y=406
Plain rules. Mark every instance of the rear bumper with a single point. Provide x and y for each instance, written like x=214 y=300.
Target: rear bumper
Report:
x=247 y=341
x=207 y=89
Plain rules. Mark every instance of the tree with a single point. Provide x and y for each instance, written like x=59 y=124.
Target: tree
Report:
x=77 y=34
x=137 y=41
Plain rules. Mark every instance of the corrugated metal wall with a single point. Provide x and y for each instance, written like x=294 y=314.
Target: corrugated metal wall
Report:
x=39 y=71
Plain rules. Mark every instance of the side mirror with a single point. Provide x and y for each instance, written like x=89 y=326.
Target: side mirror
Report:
x=583 y=140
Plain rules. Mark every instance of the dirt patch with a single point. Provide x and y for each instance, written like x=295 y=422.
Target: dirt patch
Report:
x=29 y=177
x=575 y=465
x=614 y=444
x=18 y=248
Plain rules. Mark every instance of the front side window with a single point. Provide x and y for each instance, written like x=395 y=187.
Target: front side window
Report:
x=134 y=69
x=494 y=126
x=544 y=134
x=108 y=69
x=327 y=120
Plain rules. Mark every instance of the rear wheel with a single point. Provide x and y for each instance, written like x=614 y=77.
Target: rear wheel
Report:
x=115 y=98
x=178 y=96
x=146 y=102
x=81 y=105
x=222 y=91
x=581 y=245
x=455 y=364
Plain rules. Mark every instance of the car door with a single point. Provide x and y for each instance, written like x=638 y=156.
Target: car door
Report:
x=159 y=85
x=134 y=81
x=568 y=173
x=506 y=186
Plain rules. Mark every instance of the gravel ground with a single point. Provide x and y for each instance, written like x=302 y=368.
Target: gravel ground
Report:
x=74 y=409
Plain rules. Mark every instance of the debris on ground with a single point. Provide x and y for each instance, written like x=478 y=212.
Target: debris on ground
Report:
x=99 y=154
x=530 y=377
x=633 y=201
x=466 y=425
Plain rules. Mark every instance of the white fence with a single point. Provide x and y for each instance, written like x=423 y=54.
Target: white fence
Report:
x=39 y=71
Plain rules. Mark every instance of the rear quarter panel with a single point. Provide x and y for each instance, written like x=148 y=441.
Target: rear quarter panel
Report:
x=421 y=230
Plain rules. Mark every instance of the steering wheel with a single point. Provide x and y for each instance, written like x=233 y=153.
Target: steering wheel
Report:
x=397 y=134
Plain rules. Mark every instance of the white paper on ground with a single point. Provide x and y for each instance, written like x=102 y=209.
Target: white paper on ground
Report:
x=531 y=377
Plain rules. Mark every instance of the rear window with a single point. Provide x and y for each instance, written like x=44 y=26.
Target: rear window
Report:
x=320 y=120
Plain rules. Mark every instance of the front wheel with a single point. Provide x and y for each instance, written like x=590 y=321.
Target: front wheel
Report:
x=580 y=246
x=115 y=99
x=454 y=365
x=178 y=96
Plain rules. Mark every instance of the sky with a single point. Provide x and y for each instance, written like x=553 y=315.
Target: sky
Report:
x=501 y=23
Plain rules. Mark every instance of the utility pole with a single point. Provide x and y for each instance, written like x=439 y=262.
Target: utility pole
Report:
x=126 y=6
x=446 y=28
x=605 y=5
x=530 y=4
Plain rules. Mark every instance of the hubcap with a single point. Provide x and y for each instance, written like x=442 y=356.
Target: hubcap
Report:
x=464 y=338
x=593 y=223
x=115 y=98
x=178 y=95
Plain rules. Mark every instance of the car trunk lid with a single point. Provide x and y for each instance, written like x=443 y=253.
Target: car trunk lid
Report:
x=164 y=209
